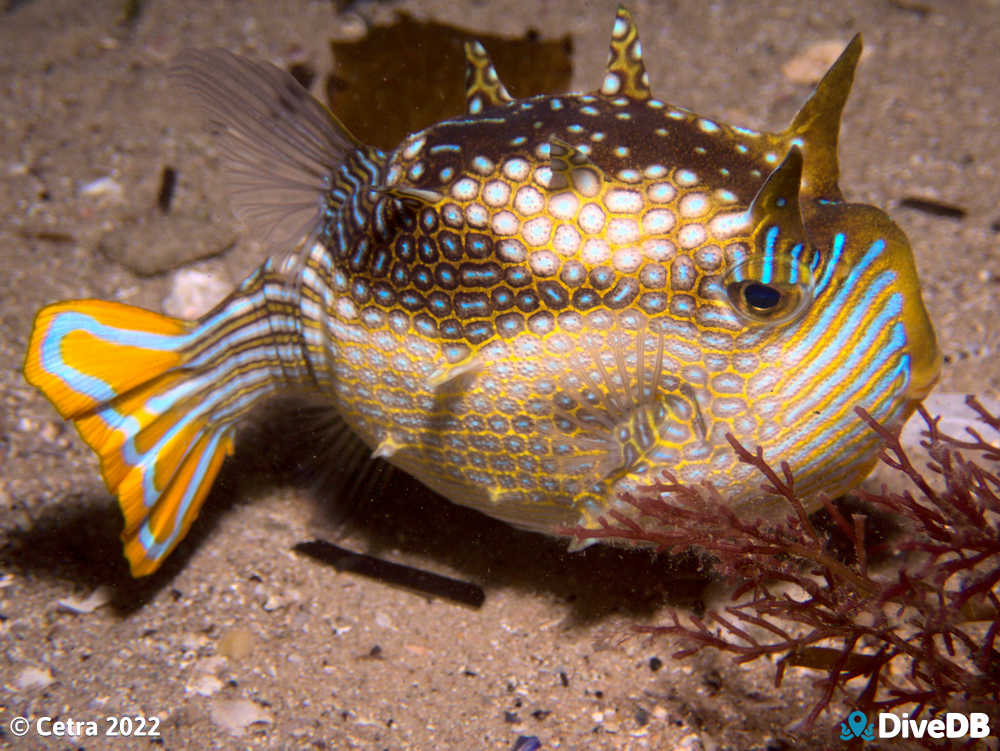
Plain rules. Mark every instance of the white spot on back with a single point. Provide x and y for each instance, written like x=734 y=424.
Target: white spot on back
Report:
x=476 y=215
x=612 y=83
x=543 y=175
x=623 y=201
x=691 y=235
x=726 y=225
x=693 y=204
x=496 y=193
x=623 y=230
x=566 y=240
x=505 y=223
x=544 y=262
x=414 y=148
x=658 y=221
x=595 y=251
x=564 y=205
x=465 y=189
x=627 y=260
x=528 y=201
x=516 y=169
x=591 y=219
x=537 y=231
x=686 y=177
x=586 y=181
x=659 y=249
x=661 y=192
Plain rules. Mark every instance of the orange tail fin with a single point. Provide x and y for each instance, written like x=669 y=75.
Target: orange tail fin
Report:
x=122 y=375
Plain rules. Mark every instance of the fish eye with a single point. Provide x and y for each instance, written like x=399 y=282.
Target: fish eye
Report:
x=769 y=291
x=761 y=296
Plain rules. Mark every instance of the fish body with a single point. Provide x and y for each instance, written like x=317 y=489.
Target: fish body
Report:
x=532 y=308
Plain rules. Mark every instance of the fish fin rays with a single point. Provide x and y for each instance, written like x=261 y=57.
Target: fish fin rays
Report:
x=626 y=72
x=280 y=145
x=119 y=374
x=816 y=127
x=483 y=87
x=618 y=411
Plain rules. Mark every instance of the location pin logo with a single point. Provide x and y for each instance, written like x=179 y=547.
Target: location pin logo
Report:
x=857 y=727
x=857 y=721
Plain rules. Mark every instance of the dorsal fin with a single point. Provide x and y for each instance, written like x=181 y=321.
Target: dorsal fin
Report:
x=626 y=73
x=571 y=169
x=483 y=87
x=280 y=146
x=817 y=125
x=775 y=213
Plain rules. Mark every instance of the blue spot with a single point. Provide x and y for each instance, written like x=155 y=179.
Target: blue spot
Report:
x=477 y=246
x=384 y=295
x=428 y=250
x=472 y=305
x=510 y=324
x=411 y=300
x=502 y=298
x=426 y=326
x=421 y=277
x=444 y=147
x=446 y=275
x=439 y=304
x=428 y=220
x=584 y=299
x=479 y=331
x=527 y=300
x=518 y=276
x=450 y=245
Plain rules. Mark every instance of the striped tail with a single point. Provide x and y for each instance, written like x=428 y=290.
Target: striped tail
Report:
x=158 y=398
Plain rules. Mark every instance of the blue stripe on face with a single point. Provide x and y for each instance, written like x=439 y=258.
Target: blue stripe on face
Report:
x=864 y=350
x=838 y=248
x=833 y=308
x=768 y=270
x=793 y=277
x=154 y=550
x=891 y=310
x=880 y=397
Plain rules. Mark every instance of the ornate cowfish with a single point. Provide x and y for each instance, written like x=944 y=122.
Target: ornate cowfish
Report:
x=531 y=307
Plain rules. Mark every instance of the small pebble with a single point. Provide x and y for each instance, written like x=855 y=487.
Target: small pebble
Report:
x=527 y=743
x=102 y=187
x=81 y=606
x=194 y=292
x=204 y=685
x=236 y=715
x=236 y=644
x=31 y=679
